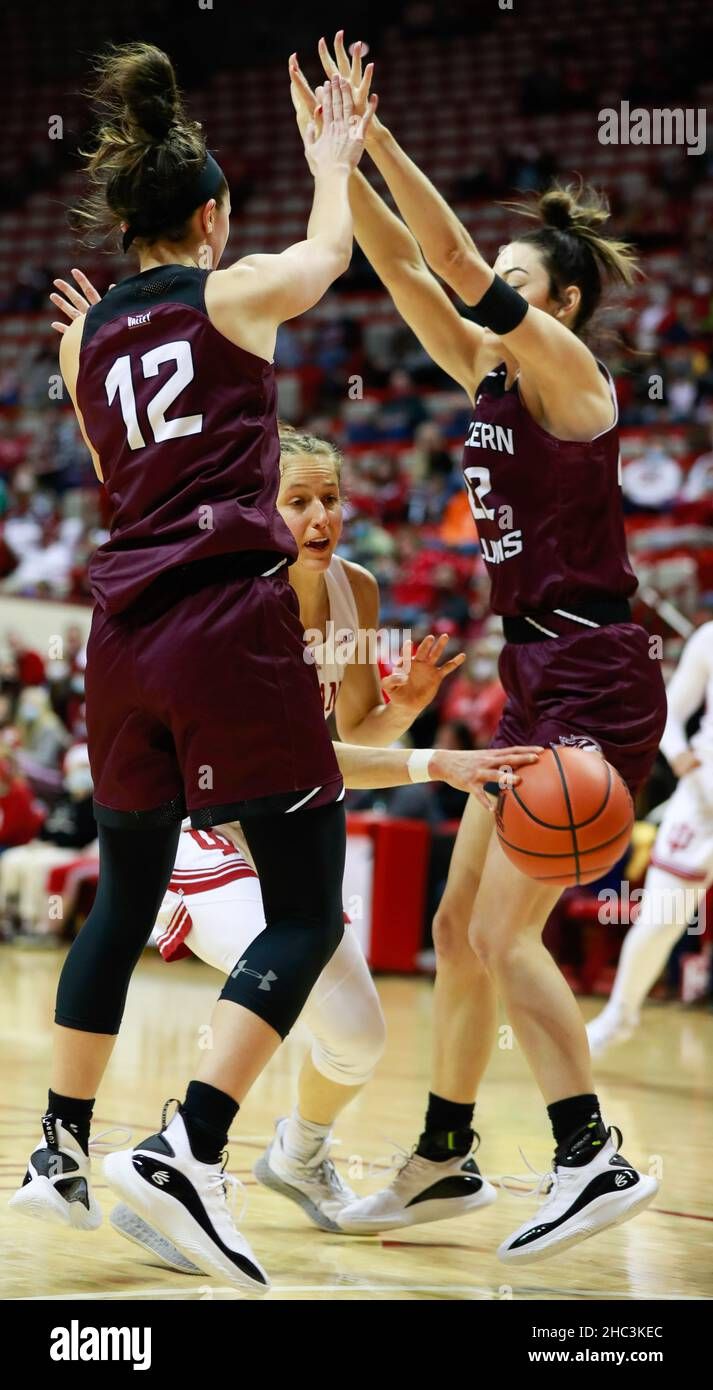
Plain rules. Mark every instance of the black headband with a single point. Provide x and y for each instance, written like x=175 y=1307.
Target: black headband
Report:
x=205 y=185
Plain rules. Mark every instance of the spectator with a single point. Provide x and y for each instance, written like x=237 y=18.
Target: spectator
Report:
x=43 y=737
x=20 y=814
x=29 y=668
x=25 y=906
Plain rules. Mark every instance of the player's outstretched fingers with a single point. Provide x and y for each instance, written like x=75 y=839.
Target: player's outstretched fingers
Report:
x=337 y=102
x=340 y=54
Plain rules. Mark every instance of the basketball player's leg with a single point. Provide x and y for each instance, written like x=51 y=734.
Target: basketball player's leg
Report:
x=134 y=869
x=505 y=933
x=440 y=1180
x=594 y=1186
x=464 y=1003
x=676 y=883
x=344 y=1015
x=343 y=1012
x=261 y=999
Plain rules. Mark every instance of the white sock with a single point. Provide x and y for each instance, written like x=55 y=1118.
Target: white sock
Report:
x=667 y=906
x=301 y=1138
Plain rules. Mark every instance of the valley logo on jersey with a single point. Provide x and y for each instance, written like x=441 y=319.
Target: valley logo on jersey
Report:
x=587 y=745
x=136 y=320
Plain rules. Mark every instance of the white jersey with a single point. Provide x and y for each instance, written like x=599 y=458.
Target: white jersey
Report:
x=691 y=686
x=332 y=656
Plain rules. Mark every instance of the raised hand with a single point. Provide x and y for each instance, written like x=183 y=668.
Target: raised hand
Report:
x=340 y=143
x=75 y=304
x=304 y=98
x=416 y=677
x=359 y=84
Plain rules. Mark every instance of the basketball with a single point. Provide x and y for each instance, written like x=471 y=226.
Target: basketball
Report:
x=568 y=820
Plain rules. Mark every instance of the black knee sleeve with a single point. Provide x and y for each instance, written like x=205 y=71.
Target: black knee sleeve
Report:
x=300 y=862
x=135 y=866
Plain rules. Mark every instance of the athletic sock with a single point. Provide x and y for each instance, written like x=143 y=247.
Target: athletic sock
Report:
x=447 y=1131
x=301 y=1139
x=75 y=1115
x=207 y=1114
x=578 y=1128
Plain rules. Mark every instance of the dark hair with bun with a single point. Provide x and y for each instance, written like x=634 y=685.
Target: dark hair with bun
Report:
x=147 y=153
x=574 y=250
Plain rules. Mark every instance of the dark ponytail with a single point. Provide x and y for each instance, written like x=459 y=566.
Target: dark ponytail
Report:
x=574 y=250
x=148 y=154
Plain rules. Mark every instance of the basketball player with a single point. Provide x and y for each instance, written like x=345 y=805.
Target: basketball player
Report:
x=541 y=468
x=172 y=381
x=213 y=906
x=681 y=869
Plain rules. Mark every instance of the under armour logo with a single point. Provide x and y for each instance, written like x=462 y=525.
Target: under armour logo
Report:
x=265 y=980
x=161 y=1177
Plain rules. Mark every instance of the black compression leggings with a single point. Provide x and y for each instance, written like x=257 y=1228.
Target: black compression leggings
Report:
x=300 y=861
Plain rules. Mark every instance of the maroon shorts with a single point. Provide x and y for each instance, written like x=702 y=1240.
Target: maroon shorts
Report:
x=199 y=700
x=598 y=687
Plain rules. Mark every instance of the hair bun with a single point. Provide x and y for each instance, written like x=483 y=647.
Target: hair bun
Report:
x=558 y=208
x=149 y=89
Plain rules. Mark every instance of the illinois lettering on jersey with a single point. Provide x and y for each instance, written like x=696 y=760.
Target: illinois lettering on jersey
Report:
x=547 y=511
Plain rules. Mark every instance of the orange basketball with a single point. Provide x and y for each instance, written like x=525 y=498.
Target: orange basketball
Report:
x=568 y=820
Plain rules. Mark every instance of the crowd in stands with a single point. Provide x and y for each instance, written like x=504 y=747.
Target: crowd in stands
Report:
x=353 y=372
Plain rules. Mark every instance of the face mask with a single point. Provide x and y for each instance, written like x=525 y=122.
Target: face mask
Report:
x=28 y=714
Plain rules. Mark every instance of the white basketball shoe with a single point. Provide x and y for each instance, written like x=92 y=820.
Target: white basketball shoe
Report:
x=422 y=1191
x=614 y=1025
x=579 y=1202
x=314 y=1185
x=57 y=1185
x=187 y=1203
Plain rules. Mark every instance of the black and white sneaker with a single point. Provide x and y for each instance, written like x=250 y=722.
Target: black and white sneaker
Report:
x=186 y=1202
x=579 y=1202
x=57 y=1185
x=422 y=1191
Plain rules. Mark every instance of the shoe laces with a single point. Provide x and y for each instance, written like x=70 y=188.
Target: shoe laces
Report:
x=98 y=1143
x=401 y=1159
x=548 y=1182
x=172 y=1101
x=546 y=1185
x=331 y=1177
x=226 y=1187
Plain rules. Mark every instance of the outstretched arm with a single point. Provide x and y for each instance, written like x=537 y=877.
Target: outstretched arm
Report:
x=452 y=341
x=443 y=239
x=556 y=366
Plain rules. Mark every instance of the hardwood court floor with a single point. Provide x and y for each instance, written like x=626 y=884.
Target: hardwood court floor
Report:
x=657 y=1089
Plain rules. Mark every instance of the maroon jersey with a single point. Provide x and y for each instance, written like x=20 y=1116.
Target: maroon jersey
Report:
x=548 y=512
x=184 y=423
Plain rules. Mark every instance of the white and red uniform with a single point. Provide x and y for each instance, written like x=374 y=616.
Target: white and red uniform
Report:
x=213 y=905
x=684 y=844
x=681 y=868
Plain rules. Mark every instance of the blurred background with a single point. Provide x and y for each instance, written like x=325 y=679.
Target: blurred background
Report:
x=492 y=103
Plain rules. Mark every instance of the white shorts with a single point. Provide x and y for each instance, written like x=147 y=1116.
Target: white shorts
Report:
x=684 y=844
x=213 y=908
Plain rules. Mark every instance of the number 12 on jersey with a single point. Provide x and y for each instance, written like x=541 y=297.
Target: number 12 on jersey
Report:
x=119 y=381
